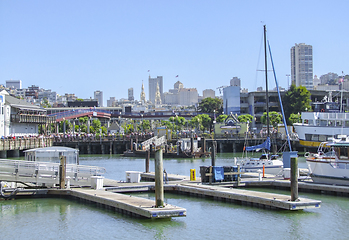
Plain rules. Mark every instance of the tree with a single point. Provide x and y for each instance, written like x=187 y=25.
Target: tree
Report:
x=296 y=99
x=208 y=105
x=245 y=118
x=274 y=118
x=221 y=118
x=202 y=122
x=295 y=118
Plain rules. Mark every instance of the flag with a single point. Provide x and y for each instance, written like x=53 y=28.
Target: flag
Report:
x=148 y=70
x=177 y=76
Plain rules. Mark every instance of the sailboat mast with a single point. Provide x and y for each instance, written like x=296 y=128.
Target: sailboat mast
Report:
x=266 y=77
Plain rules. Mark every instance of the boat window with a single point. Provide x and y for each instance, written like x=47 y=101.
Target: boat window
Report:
x=322 y=138
x=330 y=123
x=338 y=123
x=323 y=123
x=315 y=137
x=347 y=123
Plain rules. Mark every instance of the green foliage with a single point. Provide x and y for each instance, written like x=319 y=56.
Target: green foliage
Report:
x=221 y=118
x=202 y=122
x=245 y=118
x=104 y=130
x=274 y=118
x=296 y=100
x=209 y=105
x=177 y=122
x=295 y=118
x=96 y=124
x=83 y=120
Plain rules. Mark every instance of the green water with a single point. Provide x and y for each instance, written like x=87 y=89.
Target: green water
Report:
x=206 y=219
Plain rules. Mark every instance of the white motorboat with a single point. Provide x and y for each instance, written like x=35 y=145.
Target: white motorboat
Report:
x=330 y=165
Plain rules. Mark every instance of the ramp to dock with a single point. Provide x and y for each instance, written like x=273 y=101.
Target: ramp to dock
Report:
x=125 y=203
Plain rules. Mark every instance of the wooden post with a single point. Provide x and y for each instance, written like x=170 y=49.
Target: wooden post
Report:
x=203 y=145
x=159 y=180
x=238 y=176
x=131 y=147
x=192 y=145
x=147 y=157
x=294 y=178
x=62 y=169
x=213 y=153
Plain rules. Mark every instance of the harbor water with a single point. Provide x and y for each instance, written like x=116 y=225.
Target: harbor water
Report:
x=51 y=218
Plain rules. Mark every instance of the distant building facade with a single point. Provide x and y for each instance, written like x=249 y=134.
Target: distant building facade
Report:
x=188 y=96
x=99 y=96
x=153 y=83
x=208 y=93
x=302 y=65
x=231 y=100
x=130 y=94
x=17 y=84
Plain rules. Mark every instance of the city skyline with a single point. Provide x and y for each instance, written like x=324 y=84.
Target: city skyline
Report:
x=81 y=46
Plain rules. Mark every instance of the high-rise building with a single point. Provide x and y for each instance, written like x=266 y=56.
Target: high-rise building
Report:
x=130 y=94
x=302 y=65
x=231 y=100
x=153 y=82
x=99 y=96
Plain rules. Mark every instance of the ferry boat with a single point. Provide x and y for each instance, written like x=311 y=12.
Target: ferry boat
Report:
x=324 y=123
x=330 y=165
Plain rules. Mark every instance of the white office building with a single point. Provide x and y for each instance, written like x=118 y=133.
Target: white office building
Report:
x=302 y=65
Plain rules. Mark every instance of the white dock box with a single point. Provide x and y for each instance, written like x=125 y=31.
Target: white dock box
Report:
x=97 y=182
x=133 y=176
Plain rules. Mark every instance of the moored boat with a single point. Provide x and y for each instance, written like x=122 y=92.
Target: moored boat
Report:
x=330 y=165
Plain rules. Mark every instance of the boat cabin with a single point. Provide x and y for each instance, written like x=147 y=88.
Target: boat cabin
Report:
x=265 y=157
x=52 y=155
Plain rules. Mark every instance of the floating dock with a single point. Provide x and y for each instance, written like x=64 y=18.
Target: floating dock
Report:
x=132 y=205
x=245 y=197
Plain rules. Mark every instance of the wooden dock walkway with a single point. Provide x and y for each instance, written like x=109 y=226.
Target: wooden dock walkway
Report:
x=248 y=197
x=132 y=205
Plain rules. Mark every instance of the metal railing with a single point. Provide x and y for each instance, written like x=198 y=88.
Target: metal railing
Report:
x=46 y=173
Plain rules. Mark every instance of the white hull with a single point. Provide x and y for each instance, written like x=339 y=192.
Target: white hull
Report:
x=329 y=172
x=274 y=167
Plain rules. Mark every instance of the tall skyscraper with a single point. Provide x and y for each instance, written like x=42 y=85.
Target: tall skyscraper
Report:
x=99 y=96
x=153 y=82
x=130 y=94
x=302 y=65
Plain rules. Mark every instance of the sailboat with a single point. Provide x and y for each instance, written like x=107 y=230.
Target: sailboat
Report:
x=272 y=164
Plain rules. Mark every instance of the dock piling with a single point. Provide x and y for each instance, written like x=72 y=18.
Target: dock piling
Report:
x=62 y=170
x=159 y=180
x=147 y=157
x=294 y=179
x=213 y=153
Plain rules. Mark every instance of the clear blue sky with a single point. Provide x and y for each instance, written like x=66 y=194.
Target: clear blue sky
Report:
x=82 y=46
